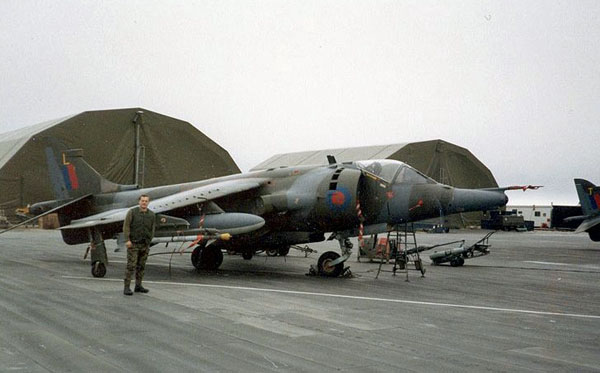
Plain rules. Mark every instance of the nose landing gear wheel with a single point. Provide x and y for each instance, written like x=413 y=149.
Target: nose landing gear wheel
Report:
x=98 y=269
x=325 y=267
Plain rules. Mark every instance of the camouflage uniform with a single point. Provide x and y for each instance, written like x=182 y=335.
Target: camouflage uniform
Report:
x=137 y=255
x=139 y=229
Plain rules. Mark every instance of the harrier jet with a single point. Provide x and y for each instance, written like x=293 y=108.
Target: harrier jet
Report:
x=262 y=210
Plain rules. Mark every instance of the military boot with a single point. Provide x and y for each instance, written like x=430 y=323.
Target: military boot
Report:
x=140 y=289
x=127 y=290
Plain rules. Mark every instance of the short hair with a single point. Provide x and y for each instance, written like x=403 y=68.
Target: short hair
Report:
x=143 y=195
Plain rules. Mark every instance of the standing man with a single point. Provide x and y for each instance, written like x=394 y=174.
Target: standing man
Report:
x=138 y=230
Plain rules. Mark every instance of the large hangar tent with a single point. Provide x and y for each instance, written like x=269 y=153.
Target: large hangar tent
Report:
x=444 y=162
x=171 y=151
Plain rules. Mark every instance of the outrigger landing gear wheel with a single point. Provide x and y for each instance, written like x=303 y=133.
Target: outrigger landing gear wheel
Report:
x=98 y=269
x=325 y=267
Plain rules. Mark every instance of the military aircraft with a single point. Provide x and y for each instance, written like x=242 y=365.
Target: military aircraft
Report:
x=262 y=210
x=589 y=198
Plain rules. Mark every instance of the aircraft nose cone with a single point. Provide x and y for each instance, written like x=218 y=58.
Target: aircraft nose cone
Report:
x=477 y=200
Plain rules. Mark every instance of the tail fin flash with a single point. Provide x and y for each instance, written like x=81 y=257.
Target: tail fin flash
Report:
x=589 y=196
x=71 y=176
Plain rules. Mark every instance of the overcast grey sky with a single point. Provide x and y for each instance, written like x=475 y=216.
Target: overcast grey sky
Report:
x=515 y=82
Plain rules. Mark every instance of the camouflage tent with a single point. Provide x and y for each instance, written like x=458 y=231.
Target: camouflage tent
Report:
x=172 y=151
x=444 y=162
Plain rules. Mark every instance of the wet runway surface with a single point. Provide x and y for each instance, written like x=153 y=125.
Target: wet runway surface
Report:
x=533 y=304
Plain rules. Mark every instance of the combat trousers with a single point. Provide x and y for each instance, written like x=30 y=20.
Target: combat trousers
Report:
x=136 y=262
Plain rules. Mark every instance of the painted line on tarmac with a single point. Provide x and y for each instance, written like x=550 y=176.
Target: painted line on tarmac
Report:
x=588 y=266
x=330 y=295
x=547 y=263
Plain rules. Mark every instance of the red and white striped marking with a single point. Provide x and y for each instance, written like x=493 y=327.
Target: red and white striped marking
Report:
x=200 y=237
x=361 y=227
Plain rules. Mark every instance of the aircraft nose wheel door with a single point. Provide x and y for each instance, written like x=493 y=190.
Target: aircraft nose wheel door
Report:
x=336 y=210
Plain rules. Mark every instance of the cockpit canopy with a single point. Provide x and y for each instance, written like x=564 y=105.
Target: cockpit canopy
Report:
x=394 y=171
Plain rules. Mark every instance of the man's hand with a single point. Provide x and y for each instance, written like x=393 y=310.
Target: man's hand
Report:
x=128 y=244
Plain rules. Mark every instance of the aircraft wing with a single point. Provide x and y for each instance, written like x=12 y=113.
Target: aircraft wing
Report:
x=203 y=194
x=185 y=198
x=588 y=224
x=107 y=217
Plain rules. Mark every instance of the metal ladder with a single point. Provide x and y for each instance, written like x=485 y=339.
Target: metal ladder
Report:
x=403 y=245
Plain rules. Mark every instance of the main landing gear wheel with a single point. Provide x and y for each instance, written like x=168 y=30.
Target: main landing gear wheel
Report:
x=207 y=257
x=211 y=257
x=196 y=256
x=325 y=267
x=98 y=269
x=283 y=251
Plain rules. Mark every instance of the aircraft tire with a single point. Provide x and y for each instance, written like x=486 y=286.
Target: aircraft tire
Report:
x=247 y=255
x=284 y=250
x=457 y=262
x=196 y=256
x=211 y=257
x=98 y=269
x=325 y=269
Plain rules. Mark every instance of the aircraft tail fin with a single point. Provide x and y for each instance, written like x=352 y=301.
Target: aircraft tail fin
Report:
x=72 y=177
x=589 y=196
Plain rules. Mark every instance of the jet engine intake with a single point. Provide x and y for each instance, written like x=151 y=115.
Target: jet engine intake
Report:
x=337 y=198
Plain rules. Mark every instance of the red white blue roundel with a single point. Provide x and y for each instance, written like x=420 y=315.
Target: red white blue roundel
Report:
x=338 y=199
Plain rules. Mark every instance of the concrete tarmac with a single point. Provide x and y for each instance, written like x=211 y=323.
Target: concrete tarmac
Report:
x=533 y=304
